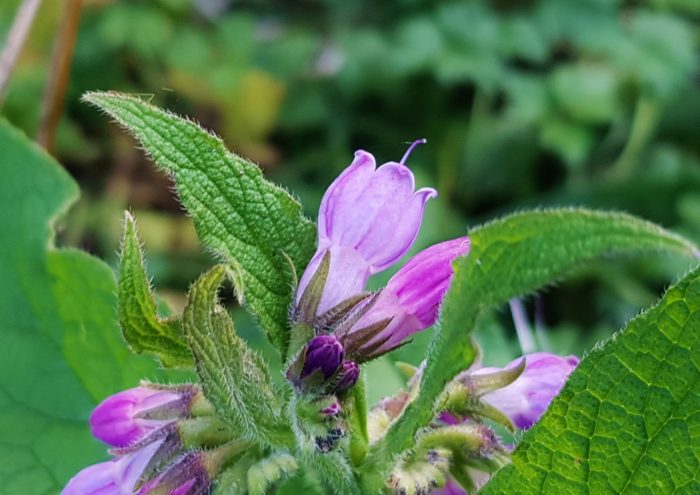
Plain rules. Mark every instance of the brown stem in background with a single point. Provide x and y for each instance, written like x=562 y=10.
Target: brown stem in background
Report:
x=15 y=41
x=54 y=94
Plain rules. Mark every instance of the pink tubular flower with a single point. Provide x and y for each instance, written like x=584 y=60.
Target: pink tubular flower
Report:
x=369 y=218
x=529 y=396
x=410 y=301
x=128 y=416
x=116 y=477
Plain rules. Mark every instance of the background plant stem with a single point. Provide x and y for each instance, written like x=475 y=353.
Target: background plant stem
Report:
x=15 y=41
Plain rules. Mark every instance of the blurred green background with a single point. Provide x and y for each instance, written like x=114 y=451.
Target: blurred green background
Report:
x=524 y=104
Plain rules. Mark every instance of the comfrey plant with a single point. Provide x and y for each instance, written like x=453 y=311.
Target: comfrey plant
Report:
x=239 y=430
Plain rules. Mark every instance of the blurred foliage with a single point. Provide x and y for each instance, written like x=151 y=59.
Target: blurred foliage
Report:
x=524 y=103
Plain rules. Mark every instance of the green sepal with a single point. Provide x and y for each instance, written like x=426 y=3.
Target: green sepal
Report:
x=142 y=328
x=311 y=298
x=462 y=396
x=206 y=431
x=234 y=378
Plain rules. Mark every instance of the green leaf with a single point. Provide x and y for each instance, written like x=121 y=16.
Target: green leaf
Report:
x=270 y=470
x=235 y=379
x=254 y=225
x=511 y=257
x=61 y=351
x=141 y=327
x=628 y=420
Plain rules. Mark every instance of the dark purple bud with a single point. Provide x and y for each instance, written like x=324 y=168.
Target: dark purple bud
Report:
x=348 y=374
x=323 y=353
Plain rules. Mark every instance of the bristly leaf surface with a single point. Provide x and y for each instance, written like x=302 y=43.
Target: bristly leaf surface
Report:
x=628 y=420
x=141 y=327
x=253 y=224
x=234 y=378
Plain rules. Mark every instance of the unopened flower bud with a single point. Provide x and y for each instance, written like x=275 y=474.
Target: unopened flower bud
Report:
x=332 y=410
x=192 y=473
x=347 y=376
x=129 y=416
x=324 y=353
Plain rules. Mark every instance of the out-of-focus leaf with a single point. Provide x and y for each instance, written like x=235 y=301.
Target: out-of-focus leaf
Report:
x=588 y=93
x=61 y=352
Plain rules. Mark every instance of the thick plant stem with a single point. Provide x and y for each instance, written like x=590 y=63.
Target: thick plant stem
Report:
x=15 y=41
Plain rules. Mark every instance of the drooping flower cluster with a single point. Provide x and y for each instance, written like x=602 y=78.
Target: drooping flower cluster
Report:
x=369 y=218
x=152 y=429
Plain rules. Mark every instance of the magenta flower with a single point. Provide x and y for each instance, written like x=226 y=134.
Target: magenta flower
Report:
x=129 y=416
x=119 y=476
x=408 y=304
x=369 y=218
x=529 y=396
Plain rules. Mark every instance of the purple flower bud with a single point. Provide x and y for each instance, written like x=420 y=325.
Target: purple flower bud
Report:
x=348 y=374
x=116 y=477
x=410 y=302
x=332 y=410
x=187 y=476
x=127 y=417
x=528 y=397
x=369 y=218
x=323 y=353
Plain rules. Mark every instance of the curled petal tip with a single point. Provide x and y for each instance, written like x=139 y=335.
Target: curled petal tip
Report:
x=427 y=193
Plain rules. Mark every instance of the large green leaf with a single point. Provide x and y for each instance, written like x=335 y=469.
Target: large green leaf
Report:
x=628 y=420
x=508 y=258
x=254 y=225
x=61 y=351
